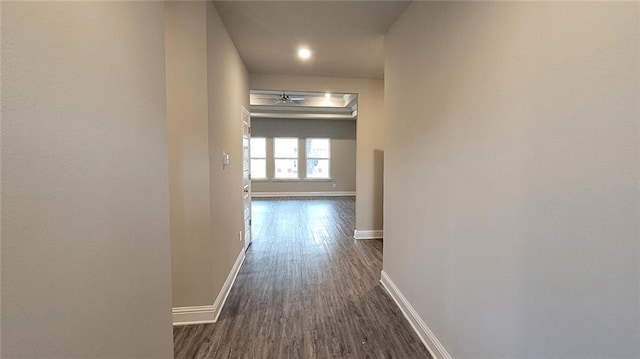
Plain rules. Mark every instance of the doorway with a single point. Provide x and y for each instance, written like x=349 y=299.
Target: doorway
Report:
x=303 y=144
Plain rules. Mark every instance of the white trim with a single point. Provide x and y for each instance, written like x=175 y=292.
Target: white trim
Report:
x=226 y=287
x=310 y=179
x=208 y=313
x=302 y=194
x=368 y=234
x=193 y=315
x=425 y=334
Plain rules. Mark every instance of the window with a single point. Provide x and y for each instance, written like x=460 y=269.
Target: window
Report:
x=318 y=158
x=258 y=153
x=285 y=155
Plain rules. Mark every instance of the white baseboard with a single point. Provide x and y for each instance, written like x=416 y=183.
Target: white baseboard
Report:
x=194 y=315
x=208 y=313
x=302 y=194
x=429 y=339
x=368 y=234
x=226 y=287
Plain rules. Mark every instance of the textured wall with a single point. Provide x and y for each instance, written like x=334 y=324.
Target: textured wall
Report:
x=511 y=199
x=85 y=208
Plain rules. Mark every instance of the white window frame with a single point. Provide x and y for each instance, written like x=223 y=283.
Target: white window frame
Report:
x=297 y=158
x=307 y=158
x=253 y=157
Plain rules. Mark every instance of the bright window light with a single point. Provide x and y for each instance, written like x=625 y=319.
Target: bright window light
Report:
x=318 y=158
x=258 y=151
x=285 y=158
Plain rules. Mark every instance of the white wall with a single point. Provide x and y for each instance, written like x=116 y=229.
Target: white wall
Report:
x=369 y=134
x=85 y=250
x=512 y=197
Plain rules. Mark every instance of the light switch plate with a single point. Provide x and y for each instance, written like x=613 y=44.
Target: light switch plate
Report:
x=225 y=160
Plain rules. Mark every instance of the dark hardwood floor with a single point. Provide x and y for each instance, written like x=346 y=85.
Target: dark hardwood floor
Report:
x=307 y=289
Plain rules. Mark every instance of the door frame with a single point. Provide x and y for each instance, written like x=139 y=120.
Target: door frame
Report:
x=245 y=121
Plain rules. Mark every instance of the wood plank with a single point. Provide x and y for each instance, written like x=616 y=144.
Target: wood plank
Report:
x=307 y=289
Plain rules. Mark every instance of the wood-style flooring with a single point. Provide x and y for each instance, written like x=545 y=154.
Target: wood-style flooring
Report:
x=307 y=289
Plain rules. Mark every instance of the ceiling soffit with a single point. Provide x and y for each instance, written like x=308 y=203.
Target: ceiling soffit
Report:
x=303 y=105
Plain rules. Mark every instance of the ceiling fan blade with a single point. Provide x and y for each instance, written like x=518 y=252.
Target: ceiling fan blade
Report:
x=297 y=99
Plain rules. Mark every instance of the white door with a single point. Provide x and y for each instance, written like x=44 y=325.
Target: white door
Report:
x=246 y=176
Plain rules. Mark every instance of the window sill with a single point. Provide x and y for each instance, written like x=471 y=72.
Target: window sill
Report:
x=285 y=179
x=318 y=179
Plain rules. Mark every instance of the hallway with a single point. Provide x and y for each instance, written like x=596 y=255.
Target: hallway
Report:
x=305 y=290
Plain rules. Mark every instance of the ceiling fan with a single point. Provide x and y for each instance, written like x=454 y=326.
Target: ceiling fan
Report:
x=284 y=98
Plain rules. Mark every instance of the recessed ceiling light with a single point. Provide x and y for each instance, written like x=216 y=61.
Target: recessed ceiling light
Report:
x=304 y=53
x=327 y=95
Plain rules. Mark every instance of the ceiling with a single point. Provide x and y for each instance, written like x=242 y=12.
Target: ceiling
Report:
x=303 y=105
x=346 y=37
